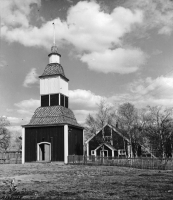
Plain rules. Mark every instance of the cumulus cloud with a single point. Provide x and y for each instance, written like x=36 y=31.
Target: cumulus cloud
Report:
x=152 y=91
x=16 y=12
x=34 y=36
x=157 y=14
x=94 y=30
x=27 y=106
x=87 y=27
x=82 y=114
x=31 y=78
x=163 y=83
x=83 y=99
x=96 y=34
x=141 y=93
x=82 y=102
x=15 y=120
x=120 y=60
x=148 y=91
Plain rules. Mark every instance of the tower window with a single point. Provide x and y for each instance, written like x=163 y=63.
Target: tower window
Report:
x=44 y=100
x=54 y=99
x=66 y=102
x=62 y=99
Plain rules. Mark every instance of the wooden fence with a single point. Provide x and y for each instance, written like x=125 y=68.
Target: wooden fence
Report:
x=140 y=163
x=11 y=157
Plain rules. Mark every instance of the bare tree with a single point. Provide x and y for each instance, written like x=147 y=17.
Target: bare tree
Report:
x=105 y=115
x=159 y=130
x=18 y=141
x=128 y=121
x=91 y=124
x=4 y=134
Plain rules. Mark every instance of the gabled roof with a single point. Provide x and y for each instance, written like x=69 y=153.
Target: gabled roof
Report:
x=113 y=128
x=53 y=115
x=108 y=145
x=121 y=134
x=53 y=69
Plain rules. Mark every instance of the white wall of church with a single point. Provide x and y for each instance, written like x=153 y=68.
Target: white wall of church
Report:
x=43 y=86
x=63 y=87
x=49 y=85
x=53 y=85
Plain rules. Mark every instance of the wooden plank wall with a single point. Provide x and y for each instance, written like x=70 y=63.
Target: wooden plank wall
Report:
x=52 y=134
x=75 y=141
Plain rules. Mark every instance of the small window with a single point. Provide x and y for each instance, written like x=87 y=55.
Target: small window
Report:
x=44 y=100
x=92 y=152
x=54 y=99
x=66 y=102
x=62 y=100
x=122 y=152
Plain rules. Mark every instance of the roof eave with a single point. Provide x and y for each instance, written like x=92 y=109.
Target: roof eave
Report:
x=54 y=75
x=95 y=134
x=108 y=146
x=44 y=125
x=110 y=127
x=54 y=54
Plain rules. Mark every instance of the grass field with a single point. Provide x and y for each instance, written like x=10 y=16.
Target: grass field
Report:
x=59 y=181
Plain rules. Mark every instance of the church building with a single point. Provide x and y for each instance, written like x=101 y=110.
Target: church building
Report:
x=53 y=132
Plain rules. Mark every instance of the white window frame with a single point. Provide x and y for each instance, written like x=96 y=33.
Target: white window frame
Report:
x=120 y=153
x=93 y=152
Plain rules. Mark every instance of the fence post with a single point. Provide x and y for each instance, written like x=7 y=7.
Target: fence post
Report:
x=4 y=157
x=83 y=160
x=16 y=157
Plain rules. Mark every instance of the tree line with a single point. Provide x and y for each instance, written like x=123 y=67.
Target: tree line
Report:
x=151 y=126
x=5 y=137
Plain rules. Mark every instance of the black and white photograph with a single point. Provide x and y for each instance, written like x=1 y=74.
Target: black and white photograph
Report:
x=86 y=99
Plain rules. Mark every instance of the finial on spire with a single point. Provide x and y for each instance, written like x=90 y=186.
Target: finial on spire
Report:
x=54 y=48
x=53 y=33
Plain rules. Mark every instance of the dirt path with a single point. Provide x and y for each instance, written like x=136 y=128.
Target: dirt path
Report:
x=59 y=181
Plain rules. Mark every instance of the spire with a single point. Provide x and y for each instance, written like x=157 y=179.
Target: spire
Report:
x=53 y=34
x=54 y=56
x=54 y=48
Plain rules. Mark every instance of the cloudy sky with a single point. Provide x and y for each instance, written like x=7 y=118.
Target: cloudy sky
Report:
x=120 y=50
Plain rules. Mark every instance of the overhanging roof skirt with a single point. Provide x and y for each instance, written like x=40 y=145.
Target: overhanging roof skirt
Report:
x=53 y=115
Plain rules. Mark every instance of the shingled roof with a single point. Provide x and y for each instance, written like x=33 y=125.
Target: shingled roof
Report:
x=53 y=115
x=53 y=69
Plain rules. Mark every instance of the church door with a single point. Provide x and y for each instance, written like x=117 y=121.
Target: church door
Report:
x=44 y=152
